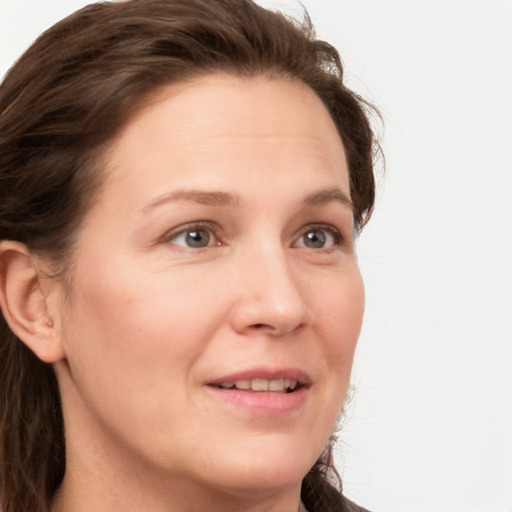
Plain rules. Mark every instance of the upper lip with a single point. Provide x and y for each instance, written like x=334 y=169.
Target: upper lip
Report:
x=302 y=377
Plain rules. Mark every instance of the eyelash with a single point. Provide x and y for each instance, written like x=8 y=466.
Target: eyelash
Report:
x=212 y=229
x=337 y=238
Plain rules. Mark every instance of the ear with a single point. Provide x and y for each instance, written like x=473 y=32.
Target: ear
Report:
x=28 y=303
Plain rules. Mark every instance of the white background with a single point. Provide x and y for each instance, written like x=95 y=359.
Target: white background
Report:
x=430 y=424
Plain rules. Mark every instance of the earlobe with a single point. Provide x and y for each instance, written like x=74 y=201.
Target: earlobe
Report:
x=24 y=300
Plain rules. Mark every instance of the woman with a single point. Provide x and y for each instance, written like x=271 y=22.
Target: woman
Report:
x=181 y=182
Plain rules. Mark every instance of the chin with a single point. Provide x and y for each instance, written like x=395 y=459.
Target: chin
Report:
x=265 y=471
x=263 y=482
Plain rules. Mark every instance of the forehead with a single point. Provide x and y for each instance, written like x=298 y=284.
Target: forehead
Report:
x=223 y=104
x=220 y=126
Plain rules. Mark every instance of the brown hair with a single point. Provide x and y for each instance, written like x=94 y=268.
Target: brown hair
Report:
x=60 y=106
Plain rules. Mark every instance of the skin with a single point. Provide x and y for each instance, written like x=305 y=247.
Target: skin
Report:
x=149 y=321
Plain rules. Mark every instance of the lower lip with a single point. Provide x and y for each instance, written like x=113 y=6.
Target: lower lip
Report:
x=264 y=403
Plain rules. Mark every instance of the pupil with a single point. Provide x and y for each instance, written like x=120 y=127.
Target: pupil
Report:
x=199 y=238
x=315 y=239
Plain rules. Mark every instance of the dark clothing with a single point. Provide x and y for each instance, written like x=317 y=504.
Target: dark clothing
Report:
x=352 y=507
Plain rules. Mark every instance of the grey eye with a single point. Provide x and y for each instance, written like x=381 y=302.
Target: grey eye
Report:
x=315 y=239
x=195 y=238
x=319 y=238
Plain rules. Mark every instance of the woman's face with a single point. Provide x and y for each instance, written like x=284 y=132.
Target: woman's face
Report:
x=215 y=298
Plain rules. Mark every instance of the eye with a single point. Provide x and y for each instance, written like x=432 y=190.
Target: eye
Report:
x=319 y=237
x=195 y=237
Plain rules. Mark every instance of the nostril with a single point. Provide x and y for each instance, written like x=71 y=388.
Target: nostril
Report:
x=271 y=330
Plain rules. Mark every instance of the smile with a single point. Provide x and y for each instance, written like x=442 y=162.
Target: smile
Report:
x=263 y=391
x=281 y=385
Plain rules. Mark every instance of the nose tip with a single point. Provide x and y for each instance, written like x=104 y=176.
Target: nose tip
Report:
x=270 y=303
x=263 y=318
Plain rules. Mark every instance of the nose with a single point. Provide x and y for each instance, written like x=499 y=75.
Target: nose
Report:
x=270 y=299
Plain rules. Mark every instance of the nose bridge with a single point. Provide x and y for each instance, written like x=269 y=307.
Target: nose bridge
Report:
x=270 y=297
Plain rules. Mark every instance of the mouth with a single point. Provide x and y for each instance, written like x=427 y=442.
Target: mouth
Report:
x=263 y=391
x=260 y=385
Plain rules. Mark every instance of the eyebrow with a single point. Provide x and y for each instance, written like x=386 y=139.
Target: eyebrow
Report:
x=217 y=198
x=213 y=198
x=327 y=195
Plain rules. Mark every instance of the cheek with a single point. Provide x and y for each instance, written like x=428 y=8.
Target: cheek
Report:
x=132 y=344
x=341 y=314
x=338 y=317
x=339 y=321
x=145 y=321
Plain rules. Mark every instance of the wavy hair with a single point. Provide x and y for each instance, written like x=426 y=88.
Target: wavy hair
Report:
x=62 y=103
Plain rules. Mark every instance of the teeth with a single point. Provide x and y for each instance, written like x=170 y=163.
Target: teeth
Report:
x=276 y=385
x=243 y=384
x=261 y=385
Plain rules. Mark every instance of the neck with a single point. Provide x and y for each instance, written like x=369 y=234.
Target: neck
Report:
x=84 y=497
